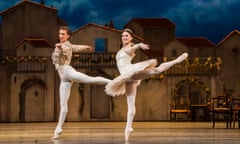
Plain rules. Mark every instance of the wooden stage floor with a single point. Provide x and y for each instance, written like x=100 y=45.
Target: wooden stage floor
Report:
x=112 y=133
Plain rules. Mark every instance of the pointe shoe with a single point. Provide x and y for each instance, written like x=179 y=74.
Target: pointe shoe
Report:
x=127 y=133
x=182 y=57
x=57 y=133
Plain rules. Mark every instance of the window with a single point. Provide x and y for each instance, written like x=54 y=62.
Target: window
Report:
x=24 y=47
x=15 y=79
x=100 y=45
x=235 y=50
x=36 y=94
x=174 y=52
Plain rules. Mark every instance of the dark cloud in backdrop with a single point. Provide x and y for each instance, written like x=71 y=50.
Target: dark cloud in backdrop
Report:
x=213 y=19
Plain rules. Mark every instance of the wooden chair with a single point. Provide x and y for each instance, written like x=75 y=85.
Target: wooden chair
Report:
x=180 y=105
x=235 y=110
x=221 y=109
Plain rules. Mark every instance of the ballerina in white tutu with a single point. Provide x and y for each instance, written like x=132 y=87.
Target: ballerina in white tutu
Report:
x=131 y=74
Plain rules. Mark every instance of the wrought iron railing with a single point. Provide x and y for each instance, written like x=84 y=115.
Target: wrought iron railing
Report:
x=27 y=63
x=94 y=60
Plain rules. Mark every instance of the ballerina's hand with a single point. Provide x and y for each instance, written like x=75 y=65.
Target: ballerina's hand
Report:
x=144 y=46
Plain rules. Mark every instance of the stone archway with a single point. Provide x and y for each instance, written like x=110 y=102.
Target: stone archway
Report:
x=197 y=92
x=195 y=82
x=31 y=101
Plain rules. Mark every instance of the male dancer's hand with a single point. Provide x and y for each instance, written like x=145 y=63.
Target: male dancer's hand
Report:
x=90 y=48
x=58 y=45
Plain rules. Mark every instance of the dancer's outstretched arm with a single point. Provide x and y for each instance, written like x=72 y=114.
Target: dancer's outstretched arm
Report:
x=78 y=48
x=137 y=46
x=140 y=45
x=75 y=48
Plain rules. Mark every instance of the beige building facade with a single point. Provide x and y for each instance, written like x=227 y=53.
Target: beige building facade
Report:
x=29 y=82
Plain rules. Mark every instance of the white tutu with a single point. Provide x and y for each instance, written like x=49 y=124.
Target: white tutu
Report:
x=117 y=86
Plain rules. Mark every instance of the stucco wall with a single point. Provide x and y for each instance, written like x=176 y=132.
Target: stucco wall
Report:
x=230 y=68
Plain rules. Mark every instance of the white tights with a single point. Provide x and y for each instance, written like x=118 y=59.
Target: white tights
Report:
x=161 y=68
x=68 y=75
x=131 y=91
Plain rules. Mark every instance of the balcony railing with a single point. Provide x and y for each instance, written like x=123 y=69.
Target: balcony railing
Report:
x=27 y=64
x=31 y=67
x=93 y=60
x=195 y=66
x=191 y=66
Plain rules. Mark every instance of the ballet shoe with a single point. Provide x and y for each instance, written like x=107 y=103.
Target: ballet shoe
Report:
x=127 y=133
x=57 y=133
x=181 y=57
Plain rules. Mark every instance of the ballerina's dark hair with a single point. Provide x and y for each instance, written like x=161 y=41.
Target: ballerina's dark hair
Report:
x=128 y=30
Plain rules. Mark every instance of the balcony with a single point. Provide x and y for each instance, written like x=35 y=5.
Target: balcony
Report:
x=191 y=66
x=195 y=66
x=94 y=60
x=28 y=64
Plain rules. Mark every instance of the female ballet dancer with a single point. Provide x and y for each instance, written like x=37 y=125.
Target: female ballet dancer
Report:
x=61 y=59
x=131 y=74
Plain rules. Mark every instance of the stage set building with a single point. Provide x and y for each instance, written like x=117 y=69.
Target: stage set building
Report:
x=29 y=83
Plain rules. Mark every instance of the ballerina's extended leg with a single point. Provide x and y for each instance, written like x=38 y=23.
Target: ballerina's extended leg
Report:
x=161 y=68
x=166 y=65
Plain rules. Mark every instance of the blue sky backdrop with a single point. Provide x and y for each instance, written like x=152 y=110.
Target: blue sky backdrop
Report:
x=213 y=19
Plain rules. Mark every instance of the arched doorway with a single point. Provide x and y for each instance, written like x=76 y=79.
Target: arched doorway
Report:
x=198 y=94
x=32 y=98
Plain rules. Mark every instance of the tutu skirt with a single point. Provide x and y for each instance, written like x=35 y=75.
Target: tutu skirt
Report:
x=117 y=87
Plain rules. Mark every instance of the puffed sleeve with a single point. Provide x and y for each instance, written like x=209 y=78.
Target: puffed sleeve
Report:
x=62 y=55
x=56 y=55
x=66 y=48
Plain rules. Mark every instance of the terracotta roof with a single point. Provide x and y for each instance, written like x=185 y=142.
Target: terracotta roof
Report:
x=106 y=28
x=23 y=2
x=35 y=42
x=235 y=32
x=153 y=22
x=196 y=42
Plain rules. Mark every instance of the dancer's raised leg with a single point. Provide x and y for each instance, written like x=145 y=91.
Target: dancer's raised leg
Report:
x=131 y=90
x=161 y=68
x=81 y=77
x=65 y=88
x=166 y=65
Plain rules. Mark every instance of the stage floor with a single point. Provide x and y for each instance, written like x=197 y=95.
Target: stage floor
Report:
x=113 y=133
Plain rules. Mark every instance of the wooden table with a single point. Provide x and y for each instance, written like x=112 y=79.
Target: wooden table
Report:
x=203 y=107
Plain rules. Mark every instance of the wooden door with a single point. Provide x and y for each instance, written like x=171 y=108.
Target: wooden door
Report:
x=100 y=103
